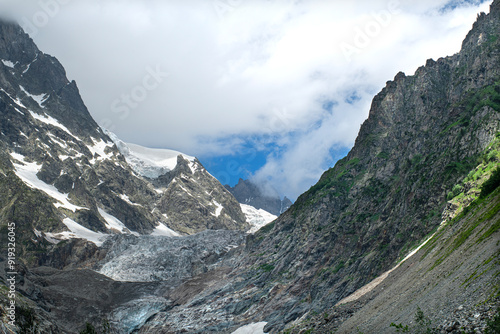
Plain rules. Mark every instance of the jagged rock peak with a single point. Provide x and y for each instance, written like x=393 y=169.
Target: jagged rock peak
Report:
x=483 y=21
x=15 y=44
x=495 y=7
x=39 y=81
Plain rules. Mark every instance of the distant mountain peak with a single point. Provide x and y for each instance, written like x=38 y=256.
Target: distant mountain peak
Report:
x=260 y=197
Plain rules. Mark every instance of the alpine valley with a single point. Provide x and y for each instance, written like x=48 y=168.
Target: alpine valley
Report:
x=401 y=235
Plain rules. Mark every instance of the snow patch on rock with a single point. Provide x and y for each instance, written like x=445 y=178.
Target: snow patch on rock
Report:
x=51 y=121
x=218 y=208
x=76 y=231
x=255 y=328
x=163 y=231
x=40 y=99
x=8 y=63
x=27 y=172
x=113 y=223
x=99 y=150
x=15 y=100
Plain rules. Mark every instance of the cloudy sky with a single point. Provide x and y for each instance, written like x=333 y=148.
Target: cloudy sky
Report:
x=272 y=90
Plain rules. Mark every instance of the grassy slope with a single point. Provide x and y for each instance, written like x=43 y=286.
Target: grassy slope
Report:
x=460 y=266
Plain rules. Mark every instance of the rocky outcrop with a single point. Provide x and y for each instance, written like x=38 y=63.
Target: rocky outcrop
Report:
x=195 y=201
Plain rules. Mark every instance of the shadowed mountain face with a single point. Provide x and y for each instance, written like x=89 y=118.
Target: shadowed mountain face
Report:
x=428 y=147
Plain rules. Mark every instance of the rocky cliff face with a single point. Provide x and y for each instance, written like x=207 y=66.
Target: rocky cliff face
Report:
x=191 y=199
x=451 y=280
x=424 y=134
x=249 y=193
x=62 y=177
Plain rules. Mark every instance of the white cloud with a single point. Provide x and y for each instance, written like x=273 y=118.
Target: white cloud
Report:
x=243 y=68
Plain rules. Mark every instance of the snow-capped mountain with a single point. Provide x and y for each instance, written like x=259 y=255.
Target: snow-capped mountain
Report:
x=75 y=180
x=149 y=162
x=193 y=195
x=81 y=197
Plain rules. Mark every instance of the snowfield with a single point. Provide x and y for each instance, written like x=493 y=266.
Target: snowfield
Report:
x=149 y=162
x=256 y=217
